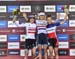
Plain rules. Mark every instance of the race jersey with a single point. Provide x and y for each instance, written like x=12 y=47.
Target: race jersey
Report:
x=30 y=30
x=51 y=30
x=41 y=26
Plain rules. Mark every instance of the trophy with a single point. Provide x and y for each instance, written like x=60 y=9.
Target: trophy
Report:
x=16 y=11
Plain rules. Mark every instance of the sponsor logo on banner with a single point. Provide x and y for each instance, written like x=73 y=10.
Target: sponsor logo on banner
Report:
x=11 y=24
x=63 y=45
x=22 y=53
x=72 y=8
x=22 y=45
x=25 y=8
x=3 y=45
x=63 y=52
x=11 y=8
x=13 y=37
x=3 y=52
x=13 y=45
x=3 y=38
x=72 y=52
x=62 y=37
x=3 y=24
x=13 y=52
x=3 y=16
x=72 y=36
x=22 y=37
x=62 y=15
x=59 y=8
x=49 y=8
x=72 y=44
x=72 y=15
x=71 y=23
x=18 y=30
x=2 y=8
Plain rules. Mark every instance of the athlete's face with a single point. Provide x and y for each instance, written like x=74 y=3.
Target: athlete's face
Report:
x=31 y=20
x=49 y=19
x=41 y=17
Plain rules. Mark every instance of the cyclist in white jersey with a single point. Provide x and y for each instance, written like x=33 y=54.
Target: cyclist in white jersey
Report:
x=41 y=34
x=30 y=42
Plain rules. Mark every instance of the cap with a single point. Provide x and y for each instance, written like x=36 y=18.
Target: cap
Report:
x=31 y=16
x=41 y=14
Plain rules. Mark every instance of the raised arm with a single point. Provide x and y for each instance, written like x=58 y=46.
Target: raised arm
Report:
x=14 y=18
x=25 y=16
x=65 y=18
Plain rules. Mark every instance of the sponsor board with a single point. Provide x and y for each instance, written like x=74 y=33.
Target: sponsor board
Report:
x=72 y=36
x=49 y=8
x=72 y=52
x=22 y=45
x=18 y=30
x=13 y=37
x=72 y=8
x=72 y=44
x=11 y=24
x=72 y=16
x=13 y=45
x=71 y=23
x=63 y=45
x=64 y=52
x=3 y=38
x=12 y=8
x=3 y=9
x=59 y=8
x=3 y=45
x=3 y=52
x=22 y=37
x=22 y=53
x=25 y=8
x=3 y=24
x=63 y=37
x=13 y=52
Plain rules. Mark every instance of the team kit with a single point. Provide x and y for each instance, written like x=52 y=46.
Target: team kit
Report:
x=41 y=32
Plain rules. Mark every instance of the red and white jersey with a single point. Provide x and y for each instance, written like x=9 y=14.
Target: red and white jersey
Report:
x=30 y=30
x=51 y=30
x=41 y=26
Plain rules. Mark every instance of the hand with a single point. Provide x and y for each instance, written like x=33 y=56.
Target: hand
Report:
x=24 y=15
x=66 y=9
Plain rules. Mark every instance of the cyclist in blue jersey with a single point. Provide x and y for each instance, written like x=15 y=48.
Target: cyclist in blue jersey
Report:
x=52 y=37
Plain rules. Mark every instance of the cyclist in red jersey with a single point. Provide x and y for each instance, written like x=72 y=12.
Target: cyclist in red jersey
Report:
x=51 y=33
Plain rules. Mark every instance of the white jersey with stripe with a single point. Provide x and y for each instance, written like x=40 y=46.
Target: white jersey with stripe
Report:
x=41 y=26
x=30 y=30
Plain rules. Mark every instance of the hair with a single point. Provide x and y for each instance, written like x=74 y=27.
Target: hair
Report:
x=31 y=18
x=48 y=16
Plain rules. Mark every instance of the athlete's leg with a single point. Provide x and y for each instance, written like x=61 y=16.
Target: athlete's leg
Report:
x=34 y=49
x=40 y=51
x=34 y=52
x=45 y=51
x=51 y=52
x=26 y=54
x=56 y=52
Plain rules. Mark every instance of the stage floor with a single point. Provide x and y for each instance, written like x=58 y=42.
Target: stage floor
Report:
x=18 y=57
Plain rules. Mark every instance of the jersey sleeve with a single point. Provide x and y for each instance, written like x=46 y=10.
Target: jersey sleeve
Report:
x=57 y=24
